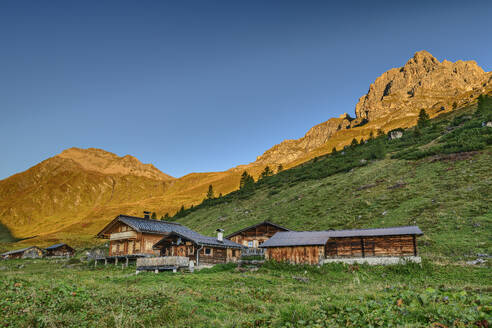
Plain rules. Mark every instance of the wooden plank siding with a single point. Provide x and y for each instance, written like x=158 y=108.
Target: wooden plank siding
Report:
x=404 y=245
x=296 y=254
x=371 y=246
x=134 y=243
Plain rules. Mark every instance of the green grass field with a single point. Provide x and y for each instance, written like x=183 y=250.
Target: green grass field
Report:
x=44 y=293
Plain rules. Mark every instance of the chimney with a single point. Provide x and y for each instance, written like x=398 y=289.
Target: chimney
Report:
x=220 y=235
x=146 y=215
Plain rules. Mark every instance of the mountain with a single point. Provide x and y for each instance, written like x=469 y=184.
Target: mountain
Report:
x=72 y=195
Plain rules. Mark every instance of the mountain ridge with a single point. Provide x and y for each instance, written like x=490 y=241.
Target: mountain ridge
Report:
x=73 y=194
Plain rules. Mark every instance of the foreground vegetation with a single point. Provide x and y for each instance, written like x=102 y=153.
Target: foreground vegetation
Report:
x=50 y=293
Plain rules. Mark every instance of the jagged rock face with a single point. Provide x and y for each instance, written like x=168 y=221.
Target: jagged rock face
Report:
x=289 y=150
x=102 y=161
x=423 y=82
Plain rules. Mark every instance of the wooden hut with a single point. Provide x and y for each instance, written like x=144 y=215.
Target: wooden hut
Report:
x=32 y=252
x=130 y=235
x=255 y=235
x=198 y=248
x=312 y=247
x=59 y=250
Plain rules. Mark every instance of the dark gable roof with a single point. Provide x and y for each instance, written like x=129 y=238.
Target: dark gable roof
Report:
x=307 y=238
x=202 y=240
x=55 y=246
x=146 y=225
x=256 y=225
x=22 y=250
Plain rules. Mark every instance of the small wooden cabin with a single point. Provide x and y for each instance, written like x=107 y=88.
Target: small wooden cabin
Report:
x=59 y=250
x=311 y=247
x=256 y=235
x=32 y=252
x=198 y=248
x=131 y=235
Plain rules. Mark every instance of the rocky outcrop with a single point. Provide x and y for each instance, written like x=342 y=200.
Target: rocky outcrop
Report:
x=289 y=150
x=423 y=82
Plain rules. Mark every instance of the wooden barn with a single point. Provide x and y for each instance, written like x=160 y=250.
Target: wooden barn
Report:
x=198 y=248
x=59 y=250
x=130 y=235
x=312 y=247
x=255 y=235
x=32 y=252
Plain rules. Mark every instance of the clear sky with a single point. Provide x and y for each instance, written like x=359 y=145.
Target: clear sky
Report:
x=205 y=85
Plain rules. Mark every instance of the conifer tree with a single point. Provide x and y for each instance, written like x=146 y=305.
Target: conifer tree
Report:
x=354 y=142
x=334 y=150
x=266 y=172
x=280 y=167
x=154 y=216
x=423 y=119
x=247 y=182
x=210 y=192
x=371 y=135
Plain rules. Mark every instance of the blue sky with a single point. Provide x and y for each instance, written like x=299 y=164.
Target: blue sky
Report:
x=196 y=86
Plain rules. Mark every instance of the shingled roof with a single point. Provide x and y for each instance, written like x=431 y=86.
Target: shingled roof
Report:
x=202 y=240
x=146 y=225
x=55 y=246
x=313 y=238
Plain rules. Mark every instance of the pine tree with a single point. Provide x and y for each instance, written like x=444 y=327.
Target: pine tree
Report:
x=266 y=172
x=210 y=192
x=247 y=182
x=371 y=135
x=480 y=104
x=280 y=167
x=154 y=216
x=165 y=217
x=361 y=141
x=220 y=195
x=181 y=211
x=423 y=119
x=354 y=142
x=334 y=150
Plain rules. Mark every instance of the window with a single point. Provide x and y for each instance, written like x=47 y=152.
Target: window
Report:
x=190 y=250
x=250 y=244
x=208 y=251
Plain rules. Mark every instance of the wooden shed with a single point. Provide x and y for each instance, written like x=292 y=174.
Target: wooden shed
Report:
x=312 y=247
x=198 y=248
x=59 y=250
x=32 y=252
x=255 y=235
x=131 y=235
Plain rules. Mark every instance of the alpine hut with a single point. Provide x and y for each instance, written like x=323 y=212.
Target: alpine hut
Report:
x=365 y=245
x=32 y=252
x=255 y=235
x=59 y=250
x=135 y=235
x=203 y=250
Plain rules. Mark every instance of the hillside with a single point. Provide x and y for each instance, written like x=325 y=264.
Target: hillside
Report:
x=437 y=177
x=71 y=196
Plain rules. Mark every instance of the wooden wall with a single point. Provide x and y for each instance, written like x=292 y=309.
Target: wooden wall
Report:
x=60 y=251
x=295 y=254
x=371 y=246
x=257 y=235
x=141 y=244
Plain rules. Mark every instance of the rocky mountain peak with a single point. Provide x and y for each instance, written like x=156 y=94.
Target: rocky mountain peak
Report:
x=423 y=82
x=99 y=160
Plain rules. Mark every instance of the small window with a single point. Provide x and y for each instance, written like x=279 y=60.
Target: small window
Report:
x=250 y=244
x=208 y=251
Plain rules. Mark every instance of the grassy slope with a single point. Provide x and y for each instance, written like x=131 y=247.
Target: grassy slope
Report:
x=448 y=198
x=45 y=293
